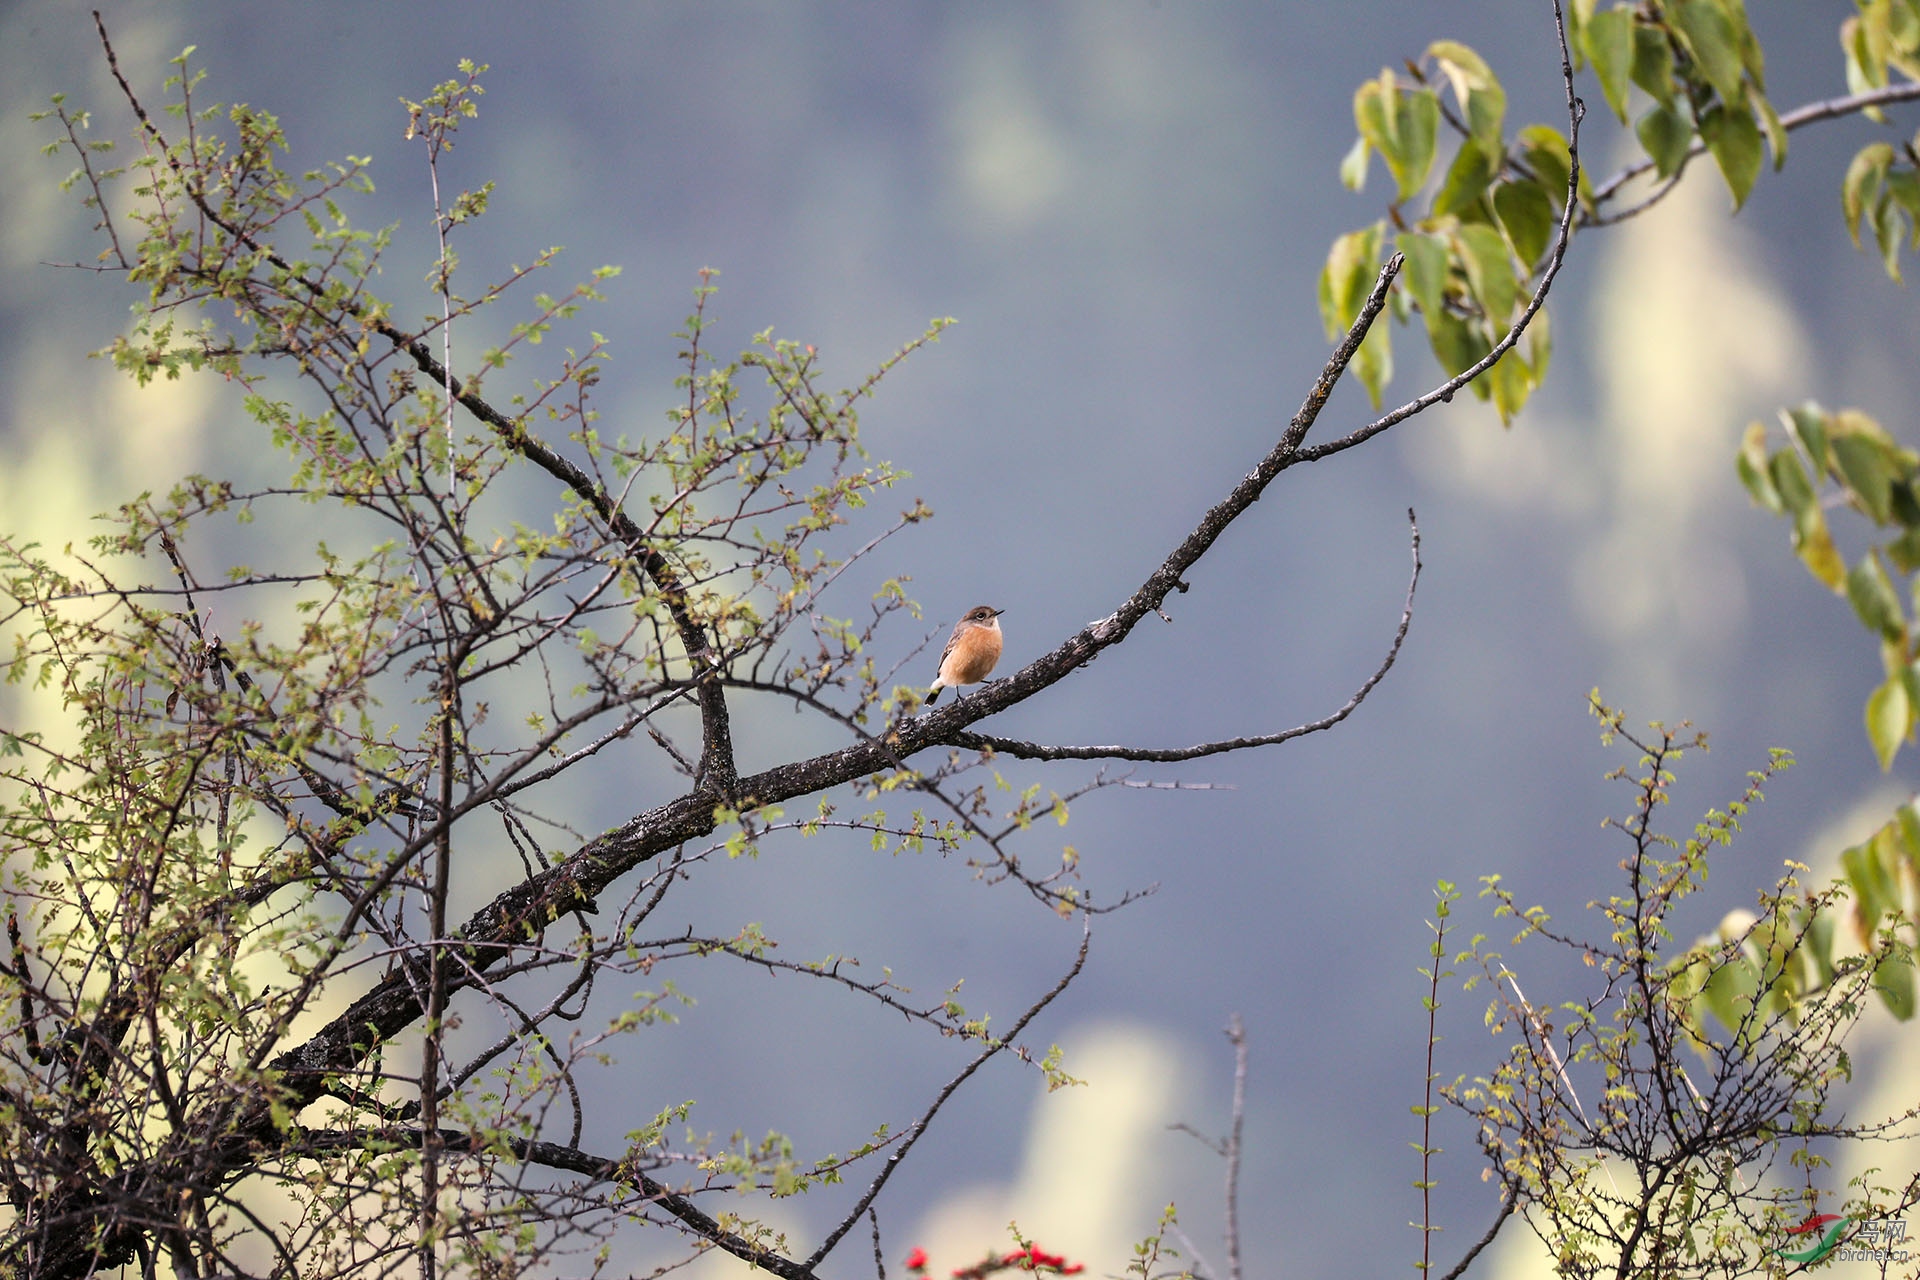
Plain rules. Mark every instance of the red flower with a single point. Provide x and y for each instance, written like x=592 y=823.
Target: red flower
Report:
x=917 y=1260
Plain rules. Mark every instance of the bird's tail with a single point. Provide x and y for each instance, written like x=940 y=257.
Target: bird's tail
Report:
x=934 y=696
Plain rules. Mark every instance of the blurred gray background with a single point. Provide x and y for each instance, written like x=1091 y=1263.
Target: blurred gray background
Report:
x=1126 y=206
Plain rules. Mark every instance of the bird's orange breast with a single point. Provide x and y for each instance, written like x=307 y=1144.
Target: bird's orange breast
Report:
x=975 y=651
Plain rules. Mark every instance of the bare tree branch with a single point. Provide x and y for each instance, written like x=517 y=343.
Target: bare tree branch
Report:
x=1035 y=751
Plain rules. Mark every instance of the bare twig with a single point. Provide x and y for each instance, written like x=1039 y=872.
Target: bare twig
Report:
x=1507 y=1207
x=1036 y=751
x=918 y=1128
x=1237 y=1034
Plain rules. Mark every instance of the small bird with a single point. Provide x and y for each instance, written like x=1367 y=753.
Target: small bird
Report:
x=971 y=650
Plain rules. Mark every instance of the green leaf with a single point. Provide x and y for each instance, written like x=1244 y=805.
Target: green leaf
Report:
x=1811 y=540
x=1687 y=978
x=1345 y=281
x=1874 y=600
x=1906 y=821
x=1426 y=275
x=1666 y=134
x=1806 y=424
x=1400 y=304
x=1545 y=152
x=1817 y=949
x=1576 y=30
x=1776 y=132
x=1610 y=44
x=1751 y=462
x=1353 y=165
x=1373 y=362
x=1653 y=63
x=1348 y=277
x=1370 y=113
x=1903 y=25
x=1874 y=890
x=1814 y=545
x=1866 y=463
x=1904 y=551
x=1889 y=718
x=1866 y=62
x=1790 y=481
x=1752 y=56
x=1894 y=981
x=1510 y=383
x=1734 y=140
x=1467 y=178
x=1457 y=345
x=1903 y=186
x=1710 y=37
x=1402 y=125
x=1329 y=305
x=1728 y=993
x=1526 y=215
x=1417 y=119
x=1902 y=500
x=1539 y=345
x=1475 y=88
x=1490 y=275
x=1867 y=473
x=1888 y=229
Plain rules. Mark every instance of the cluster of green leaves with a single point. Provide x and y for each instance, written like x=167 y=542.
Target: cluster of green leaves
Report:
x=1636 y=1125
x=1704 y=72
x=1686 y=75
x=1832 y=460
x=1882 y=184
x=1776 y=963
x=1490 y=219
x=1845 y=458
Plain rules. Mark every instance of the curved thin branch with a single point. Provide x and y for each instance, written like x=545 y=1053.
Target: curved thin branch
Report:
x=1159 y=755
